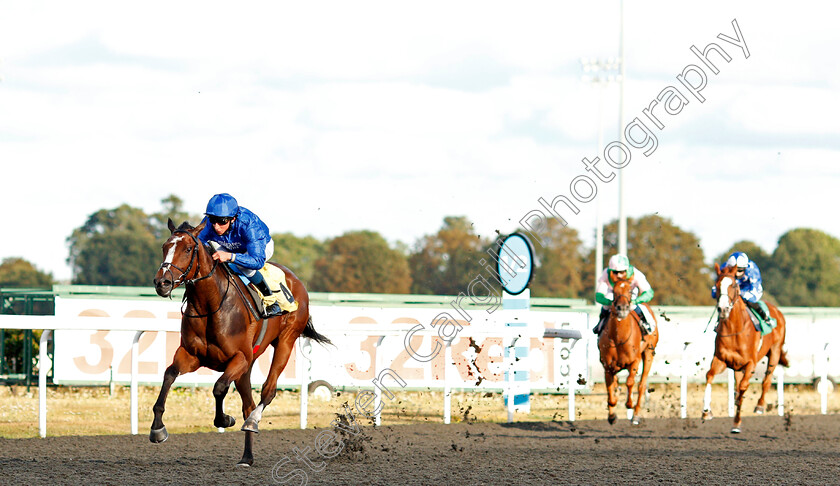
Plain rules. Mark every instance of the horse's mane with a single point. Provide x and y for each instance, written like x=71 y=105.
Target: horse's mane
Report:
x=185 y=226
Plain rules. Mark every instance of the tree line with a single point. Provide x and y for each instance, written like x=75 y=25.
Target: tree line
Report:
x=121 y=246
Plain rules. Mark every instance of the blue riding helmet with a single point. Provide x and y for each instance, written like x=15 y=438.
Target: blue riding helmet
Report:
x=222 y=205
x=738 y=259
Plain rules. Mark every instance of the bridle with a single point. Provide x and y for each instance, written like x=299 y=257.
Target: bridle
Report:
x=167 y=266
x=728 y=309
x=182 y=279
x=620 y=299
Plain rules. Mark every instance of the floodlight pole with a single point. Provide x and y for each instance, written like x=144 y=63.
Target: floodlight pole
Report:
x=622 y=218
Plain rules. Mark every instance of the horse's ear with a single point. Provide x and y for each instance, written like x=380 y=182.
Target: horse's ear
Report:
x=200 y=227
x=170 y=225
x=717 y=268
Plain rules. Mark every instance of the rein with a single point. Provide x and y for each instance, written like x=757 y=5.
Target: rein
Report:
x=746 y=314
x=615 y=314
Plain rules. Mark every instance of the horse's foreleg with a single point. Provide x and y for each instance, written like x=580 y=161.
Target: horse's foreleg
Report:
x=183 y=362
x=714 y=369
x=282 y=351
x=243 y=386
x=630 y=383
x=743 y=384
x=235 y=368
x=612 y=385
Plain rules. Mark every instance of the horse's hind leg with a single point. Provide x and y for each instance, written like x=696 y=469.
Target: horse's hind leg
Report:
x=243 y=386
x=283 y=347
x=743 y=384
x=647 y=362
x=772 y=361
x=714 y=369
x=235 y=368
x=183 y=362
x=630 y=383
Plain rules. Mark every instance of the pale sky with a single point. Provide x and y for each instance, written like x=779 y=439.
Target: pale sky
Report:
x=325 y=117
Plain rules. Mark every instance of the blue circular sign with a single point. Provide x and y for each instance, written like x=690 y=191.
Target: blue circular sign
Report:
x=515 y=263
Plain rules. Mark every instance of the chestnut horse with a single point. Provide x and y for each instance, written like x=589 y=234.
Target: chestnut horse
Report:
x=623 y=347
x=220 y=329
x=739 y=346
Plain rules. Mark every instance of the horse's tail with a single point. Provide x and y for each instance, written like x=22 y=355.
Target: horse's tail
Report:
x=783 y=359
x=310 y=332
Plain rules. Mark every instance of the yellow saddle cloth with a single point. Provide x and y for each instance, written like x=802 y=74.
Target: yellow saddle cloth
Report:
x=276 y=280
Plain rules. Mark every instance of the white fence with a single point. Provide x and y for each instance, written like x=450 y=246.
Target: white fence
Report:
x=132 y=341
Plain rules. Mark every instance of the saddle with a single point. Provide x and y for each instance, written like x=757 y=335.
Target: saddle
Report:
x=760 y=325
x=647 y=322
x=276 y=279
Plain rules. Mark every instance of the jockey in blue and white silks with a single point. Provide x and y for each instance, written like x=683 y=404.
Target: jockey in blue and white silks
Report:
x=244 y=241
x=748 y=277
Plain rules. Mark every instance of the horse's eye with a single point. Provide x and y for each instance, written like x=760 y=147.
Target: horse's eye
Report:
x=188 y=249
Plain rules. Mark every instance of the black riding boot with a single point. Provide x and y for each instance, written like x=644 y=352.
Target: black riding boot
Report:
x=273 y=309
x=602 y=321
x=758 y=309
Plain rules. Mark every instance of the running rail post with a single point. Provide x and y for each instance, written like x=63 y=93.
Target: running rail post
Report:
x=305 y=370
x=684 y=382
x=824 y=381
x=42 y=382
x=730 y=389
x=135 y=347
x=378 y=367
x=780 y=386
x=447 y=384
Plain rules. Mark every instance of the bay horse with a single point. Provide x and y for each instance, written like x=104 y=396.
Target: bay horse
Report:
x=220 y=329
x=739 y=346
x=623 y=347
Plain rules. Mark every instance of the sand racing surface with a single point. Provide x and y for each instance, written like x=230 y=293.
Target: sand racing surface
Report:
x=770 y=450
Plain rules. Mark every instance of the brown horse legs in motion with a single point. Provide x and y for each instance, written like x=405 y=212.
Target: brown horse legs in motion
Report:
x=221 y=331
x=623 y=347
x=739 y=346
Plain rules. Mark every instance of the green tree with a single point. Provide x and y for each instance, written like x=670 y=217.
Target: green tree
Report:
x=670 y=257
x=115 y=247
x=446 y=262
x=17 y=272
x=756 y=253
x=806 y=269
x=560 y=264
x=173 y=208
x=299 y=254
x=361 y=261
x=762 y=259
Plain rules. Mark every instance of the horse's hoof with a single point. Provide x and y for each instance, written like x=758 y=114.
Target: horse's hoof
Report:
x=243 y=464
x=736 y=430
x=635 y=421
x=707 y=415
x=227 y=421
x=251 y=426
x=158 y=435
x=611 y=418
x=759 y=410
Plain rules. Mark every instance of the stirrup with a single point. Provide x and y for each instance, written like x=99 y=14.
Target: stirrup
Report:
x=273 y=310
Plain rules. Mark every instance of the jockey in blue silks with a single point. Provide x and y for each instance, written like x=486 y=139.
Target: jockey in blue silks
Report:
x=748 y=277
x=244 y=242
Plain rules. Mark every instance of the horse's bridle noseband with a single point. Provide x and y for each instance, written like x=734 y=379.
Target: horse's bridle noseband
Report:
x=167 y=266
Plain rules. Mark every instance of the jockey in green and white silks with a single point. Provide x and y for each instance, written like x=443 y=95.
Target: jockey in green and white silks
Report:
x=620 y=268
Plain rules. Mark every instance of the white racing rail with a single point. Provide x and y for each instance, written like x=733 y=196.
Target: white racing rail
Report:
x=140 y=325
